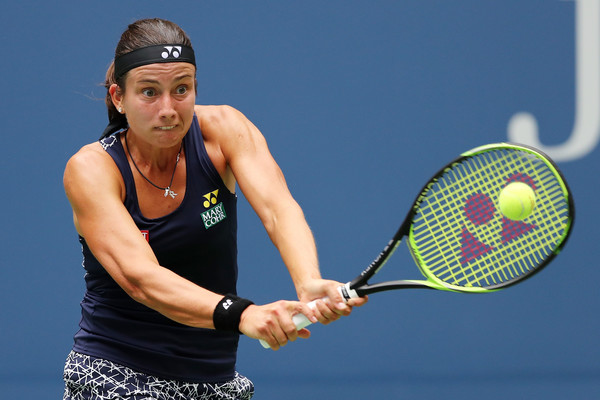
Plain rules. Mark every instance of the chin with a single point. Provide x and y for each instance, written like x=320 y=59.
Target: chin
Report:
x=168 y=138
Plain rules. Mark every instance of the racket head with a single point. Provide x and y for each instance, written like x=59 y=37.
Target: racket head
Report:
x=461 y=241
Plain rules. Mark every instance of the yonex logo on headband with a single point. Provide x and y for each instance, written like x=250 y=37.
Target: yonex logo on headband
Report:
x=170 y=52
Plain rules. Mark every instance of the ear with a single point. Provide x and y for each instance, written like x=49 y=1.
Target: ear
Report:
x=116 y=95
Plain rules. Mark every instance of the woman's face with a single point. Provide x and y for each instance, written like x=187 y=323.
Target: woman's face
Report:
x=159 y=102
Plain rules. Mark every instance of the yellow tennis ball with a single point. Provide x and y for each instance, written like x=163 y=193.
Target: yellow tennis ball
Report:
x=516 y=201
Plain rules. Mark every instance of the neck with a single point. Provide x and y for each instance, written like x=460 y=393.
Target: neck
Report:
x=168 y=191
x=151 y=157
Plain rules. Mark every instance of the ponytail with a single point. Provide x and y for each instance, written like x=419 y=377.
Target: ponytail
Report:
x=116 y=120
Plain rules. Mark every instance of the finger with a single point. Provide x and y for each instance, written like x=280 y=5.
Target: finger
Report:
x=307 y=311
x=275 y=344
x=278 y=317
x=274 y=336
x=303 y=333
x=335 y=296
x=338 y=303
x=272 y=342
x=285 y=329
x=359 y=301
x=339 y=306
x=280 y=336
x=326 y=313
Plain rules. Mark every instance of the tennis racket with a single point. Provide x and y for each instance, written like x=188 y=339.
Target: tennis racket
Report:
x=459 y=239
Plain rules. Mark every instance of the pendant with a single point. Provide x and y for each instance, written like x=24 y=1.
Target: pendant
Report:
x=169 y=192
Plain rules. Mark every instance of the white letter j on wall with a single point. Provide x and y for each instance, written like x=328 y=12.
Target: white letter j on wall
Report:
x=523 y=127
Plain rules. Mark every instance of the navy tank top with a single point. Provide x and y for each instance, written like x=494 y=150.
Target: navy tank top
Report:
x=198 y=241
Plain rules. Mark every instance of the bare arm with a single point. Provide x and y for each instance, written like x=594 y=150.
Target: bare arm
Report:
x=263 y=184
x=95 y=190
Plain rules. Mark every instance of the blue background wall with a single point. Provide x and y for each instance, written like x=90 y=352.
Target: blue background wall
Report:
x=360 y=102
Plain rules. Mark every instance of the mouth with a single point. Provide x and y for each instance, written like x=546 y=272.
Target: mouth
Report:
x=166 y=128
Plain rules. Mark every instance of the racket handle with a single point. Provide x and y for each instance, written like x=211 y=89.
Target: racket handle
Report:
x=301 y=321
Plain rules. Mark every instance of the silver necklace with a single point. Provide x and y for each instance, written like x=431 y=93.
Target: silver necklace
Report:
x=167 y=190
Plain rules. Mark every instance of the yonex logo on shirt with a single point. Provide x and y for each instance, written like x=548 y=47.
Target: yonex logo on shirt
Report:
x=211 y=198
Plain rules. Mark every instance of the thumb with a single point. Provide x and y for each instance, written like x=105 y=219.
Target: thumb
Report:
x=305 y=315
x=335 y=297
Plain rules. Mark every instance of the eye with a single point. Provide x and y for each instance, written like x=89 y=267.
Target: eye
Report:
x=148 y=92
x=181 y=89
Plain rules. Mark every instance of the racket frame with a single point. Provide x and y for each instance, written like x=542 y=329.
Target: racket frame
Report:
x=360 y=284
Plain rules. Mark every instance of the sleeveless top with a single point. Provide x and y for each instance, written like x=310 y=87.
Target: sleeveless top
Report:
x=198 y=241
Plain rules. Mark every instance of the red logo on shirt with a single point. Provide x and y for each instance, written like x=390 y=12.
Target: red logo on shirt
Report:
x=146 y=234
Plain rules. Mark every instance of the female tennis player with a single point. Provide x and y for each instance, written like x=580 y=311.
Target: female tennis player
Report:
x=154 y=205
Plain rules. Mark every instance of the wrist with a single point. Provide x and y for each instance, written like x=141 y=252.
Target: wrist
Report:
x=228 y=312
x=309 y=287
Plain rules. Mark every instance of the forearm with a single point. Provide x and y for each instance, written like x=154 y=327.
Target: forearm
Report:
x=175 y=297
x=293 y=238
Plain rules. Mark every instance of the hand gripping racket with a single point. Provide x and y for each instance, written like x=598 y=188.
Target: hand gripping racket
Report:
x=459 y=239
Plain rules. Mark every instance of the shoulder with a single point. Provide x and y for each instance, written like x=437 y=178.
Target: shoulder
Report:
x=227 y=127
x=219 y=118
x=89 y=157
x=90 y=166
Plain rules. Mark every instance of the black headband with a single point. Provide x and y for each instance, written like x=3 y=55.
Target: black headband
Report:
x=163 y=53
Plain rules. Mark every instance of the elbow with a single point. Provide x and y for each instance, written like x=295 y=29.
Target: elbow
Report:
x=278 y=221
x=136 y=292
x=136 y=289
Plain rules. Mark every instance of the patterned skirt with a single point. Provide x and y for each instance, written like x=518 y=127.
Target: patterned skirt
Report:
x=90 y=378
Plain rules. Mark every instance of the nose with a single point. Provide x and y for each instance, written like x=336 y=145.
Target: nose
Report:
x=167 y=107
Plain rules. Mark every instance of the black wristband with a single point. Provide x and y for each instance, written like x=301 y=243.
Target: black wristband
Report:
x=228 y=312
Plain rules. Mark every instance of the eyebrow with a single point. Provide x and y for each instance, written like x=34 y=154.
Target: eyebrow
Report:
x=178 y=78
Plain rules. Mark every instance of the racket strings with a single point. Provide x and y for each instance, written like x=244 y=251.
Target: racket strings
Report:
x=460 y=238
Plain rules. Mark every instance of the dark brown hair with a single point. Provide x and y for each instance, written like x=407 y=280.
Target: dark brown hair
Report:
x=141 y=33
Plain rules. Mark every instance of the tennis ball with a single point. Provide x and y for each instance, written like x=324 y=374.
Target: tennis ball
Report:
x=516 y=201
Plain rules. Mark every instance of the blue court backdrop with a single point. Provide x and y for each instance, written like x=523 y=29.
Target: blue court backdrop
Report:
x=360 y=101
